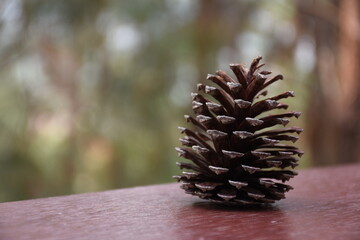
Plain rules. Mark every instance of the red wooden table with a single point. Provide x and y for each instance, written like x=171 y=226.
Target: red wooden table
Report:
x=325 y=204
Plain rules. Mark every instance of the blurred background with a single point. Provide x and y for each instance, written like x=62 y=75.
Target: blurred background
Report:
x=92 y=92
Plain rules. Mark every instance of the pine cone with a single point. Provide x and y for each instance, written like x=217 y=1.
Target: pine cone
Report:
x=234 y=157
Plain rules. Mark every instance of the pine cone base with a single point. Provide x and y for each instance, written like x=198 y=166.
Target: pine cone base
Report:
x=234 y=157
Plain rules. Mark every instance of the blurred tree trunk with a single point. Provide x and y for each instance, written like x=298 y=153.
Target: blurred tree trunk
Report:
x=205 y=37
x=209 y=34
x=349 y=63
x=62 y=65
x=334 y=110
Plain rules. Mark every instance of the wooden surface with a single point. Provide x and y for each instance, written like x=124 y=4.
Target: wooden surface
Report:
x=324 y=205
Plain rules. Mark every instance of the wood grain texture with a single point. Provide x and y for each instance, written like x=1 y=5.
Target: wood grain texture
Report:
x=324 y=205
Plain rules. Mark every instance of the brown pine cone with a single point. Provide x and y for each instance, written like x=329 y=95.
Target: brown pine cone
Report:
x=234 y=157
